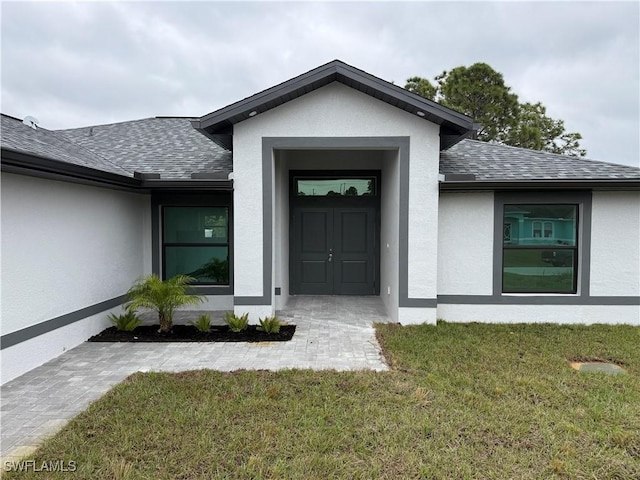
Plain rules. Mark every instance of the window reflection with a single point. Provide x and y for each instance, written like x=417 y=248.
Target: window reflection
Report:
x=327 y=187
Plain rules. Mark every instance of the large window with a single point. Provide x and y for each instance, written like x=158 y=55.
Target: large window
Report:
x=540 y=248
x=195 y=242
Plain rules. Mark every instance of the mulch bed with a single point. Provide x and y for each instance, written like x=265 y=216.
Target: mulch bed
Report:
x=189 y=333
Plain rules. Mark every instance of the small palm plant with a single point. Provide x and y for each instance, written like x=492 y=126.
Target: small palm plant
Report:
x=236 y=323
x=125 y=322
x=269 y=325
x=162 y=296
x=203 y=324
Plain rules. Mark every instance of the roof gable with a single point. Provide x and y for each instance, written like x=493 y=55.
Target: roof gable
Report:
x=218 y=125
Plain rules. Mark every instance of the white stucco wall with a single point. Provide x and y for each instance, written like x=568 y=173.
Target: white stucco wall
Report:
x=580 y=314
x=615 y=244
x=389 y=233
x=465 y=244
x=281 y=230
x=417 y=316
x=71 y=246
x=614 y=264
x=336 y=111
x=213 y=302
x=22 y=357
x=247 y=224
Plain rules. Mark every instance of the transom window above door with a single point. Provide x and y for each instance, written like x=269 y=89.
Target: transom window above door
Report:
x=334 y=186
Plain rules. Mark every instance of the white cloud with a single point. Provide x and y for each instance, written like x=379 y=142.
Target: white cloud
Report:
x=75 y=64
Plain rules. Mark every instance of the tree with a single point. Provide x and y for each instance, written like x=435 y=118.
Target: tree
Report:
x=422 y=87
x=535 y=130
x=481 y=93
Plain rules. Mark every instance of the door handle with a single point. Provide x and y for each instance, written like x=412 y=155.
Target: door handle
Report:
x=330 y=259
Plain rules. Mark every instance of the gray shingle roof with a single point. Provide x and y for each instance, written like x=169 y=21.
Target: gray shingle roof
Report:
x=168 y=146
x=173 y=148
x=494 y=162
x=52 y=145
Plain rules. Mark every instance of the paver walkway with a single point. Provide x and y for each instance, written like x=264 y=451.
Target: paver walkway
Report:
x=331 y=333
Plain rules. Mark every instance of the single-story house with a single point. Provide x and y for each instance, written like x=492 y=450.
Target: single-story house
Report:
x=332 y=183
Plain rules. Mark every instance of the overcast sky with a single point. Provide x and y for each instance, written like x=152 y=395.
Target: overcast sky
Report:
x=77 y=64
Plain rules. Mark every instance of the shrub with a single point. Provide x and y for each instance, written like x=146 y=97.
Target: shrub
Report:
x=162 y=296
x=269 y=325
x=203 y=323
x=236 y=323
x=125 y=322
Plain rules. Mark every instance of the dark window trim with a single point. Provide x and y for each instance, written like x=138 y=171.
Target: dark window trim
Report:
x=189 y=199
x=583 y=199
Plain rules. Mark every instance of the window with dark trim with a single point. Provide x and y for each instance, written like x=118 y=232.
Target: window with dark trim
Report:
x=322 y=186
x=540 y=252
x=195 y=242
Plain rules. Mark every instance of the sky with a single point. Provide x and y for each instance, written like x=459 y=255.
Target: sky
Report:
x=73 y=64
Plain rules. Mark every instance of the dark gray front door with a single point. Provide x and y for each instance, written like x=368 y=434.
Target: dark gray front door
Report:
x=334 y=251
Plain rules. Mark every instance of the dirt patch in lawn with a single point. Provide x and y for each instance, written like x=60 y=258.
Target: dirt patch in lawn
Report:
x=188 y=333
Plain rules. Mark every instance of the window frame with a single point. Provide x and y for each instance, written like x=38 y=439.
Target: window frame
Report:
x=349 y=176
x=201 y=199
x=582 y=199
x=164 y=244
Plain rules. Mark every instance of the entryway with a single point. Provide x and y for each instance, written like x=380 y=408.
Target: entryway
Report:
x=334 y=236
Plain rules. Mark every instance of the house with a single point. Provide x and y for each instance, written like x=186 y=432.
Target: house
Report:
x=332 y=183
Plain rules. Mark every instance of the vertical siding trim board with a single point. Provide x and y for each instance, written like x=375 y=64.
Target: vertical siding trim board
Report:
x=19 y=336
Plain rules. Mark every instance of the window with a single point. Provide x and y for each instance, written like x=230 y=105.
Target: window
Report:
x=537 y=229
x=507 y=232
x=326 y=187
x=542 y=229
x=195 y=242
x=547 y=260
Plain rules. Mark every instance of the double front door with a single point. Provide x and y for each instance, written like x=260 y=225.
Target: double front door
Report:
x=334 y=251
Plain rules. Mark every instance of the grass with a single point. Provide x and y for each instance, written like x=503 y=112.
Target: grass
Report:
x=463 y=401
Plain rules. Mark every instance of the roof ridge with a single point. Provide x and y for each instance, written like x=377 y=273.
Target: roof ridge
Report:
x=11 y=117
x=138 y=120
x=105 y=124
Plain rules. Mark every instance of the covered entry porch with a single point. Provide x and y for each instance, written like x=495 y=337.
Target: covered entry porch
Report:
x=337 y=243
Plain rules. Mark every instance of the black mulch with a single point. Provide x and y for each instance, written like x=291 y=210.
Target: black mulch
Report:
x=189 y=333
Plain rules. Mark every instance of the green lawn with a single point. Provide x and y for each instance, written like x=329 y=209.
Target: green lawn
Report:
x=463 y=401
